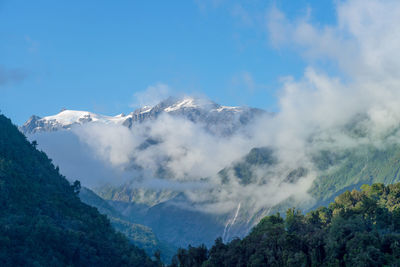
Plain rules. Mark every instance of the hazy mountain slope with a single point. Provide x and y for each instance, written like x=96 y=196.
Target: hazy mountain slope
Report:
x=353 y=167
x=140 y=235
x=43 y=222
x=338 y=170
x=127 y=192
x=172 y=220
x=172 y=216
x=182 y=226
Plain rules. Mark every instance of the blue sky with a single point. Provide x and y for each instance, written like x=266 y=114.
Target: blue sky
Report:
x=96 y=55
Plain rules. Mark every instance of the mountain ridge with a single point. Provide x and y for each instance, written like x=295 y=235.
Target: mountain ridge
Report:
x=194 y=109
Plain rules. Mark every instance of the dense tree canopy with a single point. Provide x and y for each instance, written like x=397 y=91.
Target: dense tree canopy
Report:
x=42 y=220
x=360 y=228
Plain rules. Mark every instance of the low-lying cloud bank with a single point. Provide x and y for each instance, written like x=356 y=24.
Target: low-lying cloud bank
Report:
x=319 y=111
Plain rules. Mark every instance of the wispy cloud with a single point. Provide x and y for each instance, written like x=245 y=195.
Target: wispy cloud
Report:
x=151 y=95
x=11 y=75
x=33 y=45
x=207 y=4
x=245 y=81
x=244 y=16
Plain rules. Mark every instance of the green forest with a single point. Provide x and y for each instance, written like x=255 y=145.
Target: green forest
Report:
x=360 y=228
x=42 y=220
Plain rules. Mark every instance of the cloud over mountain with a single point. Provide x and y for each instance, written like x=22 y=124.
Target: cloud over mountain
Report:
x=182 y=143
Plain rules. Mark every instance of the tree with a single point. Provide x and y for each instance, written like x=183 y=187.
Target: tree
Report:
x=76 y=186
x=157 y=256
x=34 y=143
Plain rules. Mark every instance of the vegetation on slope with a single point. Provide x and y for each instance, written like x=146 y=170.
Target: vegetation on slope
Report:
x=173 y=225
x=353 y=167
x=42 y=220
x=360 y=228
x=140 y=235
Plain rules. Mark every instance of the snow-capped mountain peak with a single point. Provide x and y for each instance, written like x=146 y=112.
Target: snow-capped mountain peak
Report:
x=68 y=117
x=187 y=102
x=218 y=119
x=65 y=119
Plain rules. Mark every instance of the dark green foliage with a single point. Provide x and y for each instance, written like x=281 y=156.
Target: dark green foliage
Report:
x=192 y=257
x=261 y=156
x=294 y=175
x=42 y=220
x=360 y=228
x=76 y=186
x=243 y=169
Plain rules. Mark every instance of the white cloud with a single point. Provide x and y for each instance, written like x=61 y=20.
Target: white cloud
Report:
x=363 y=43
x=112 y=143
x=151 y=96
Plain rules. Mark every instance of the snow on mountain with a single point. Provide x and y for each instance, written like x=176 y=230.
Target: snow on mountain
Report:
x=67 y=118
x=218 y=119
x=185 y=103
x=225 y=108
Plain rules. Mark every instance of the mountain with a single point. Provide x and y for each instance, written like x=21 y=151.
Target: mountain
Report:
x=171 y=219
x=65 y=120
x=218 y=119
x=353 y=167
x=337 y=171
x=42 y=220
x=360 y=228
x=169 y=213
x=140 y=235
x=157 y=209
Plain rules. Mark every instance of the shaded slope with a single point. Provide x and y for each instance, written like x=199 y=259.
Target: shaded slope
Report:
x=140 y=235
x=173 y=223
x=43 y=222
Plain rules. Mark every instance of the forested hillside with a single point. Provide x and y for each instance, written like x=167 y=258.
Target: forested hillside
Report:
x=351 y=168
x=42 y=220
x=360 y=228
